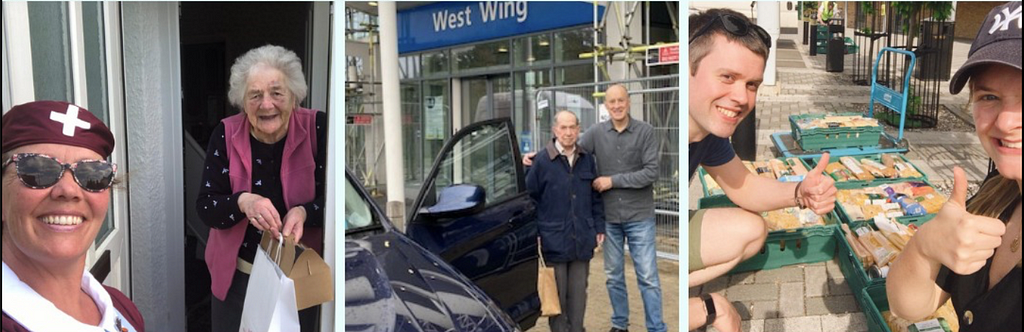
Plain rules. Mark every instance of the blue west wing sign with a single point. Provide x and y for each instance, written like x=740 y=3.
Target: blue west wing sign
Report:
x=453 y=23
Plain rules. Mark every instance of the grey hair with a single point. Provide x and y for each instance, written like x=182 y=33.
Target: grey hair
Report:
x=554 y=119
x=276 y=57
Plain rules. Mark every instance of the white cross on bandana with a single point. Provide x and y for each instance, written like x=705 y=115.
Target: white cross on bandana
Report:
x=70 y=121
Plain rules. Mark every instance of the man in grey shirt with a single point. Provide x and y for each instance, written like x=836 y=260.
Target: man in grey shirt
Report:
x=627 y=161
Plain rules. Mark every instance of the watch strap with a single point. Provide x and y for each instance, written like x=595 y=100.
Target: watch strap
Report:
x=709 y=307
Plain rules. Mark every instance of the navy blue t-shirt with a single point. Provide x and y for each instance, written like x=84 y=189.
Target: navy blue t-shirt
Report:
x=711 y=151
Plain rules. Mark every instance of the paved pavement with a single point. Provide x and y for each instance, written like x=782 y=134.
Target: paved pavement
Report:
x=815 y=297
x=599 y=311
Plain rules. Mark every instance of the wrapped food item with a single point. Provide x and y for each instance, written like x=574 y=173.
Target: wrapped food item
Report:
x=881 y=250
x=764 y=169
x=838 y=172
x=855 y=168
x=883 y=170
x=797 y=166
x=858 y=249
x=943 y=320
x=910 y=206
x=791 y=218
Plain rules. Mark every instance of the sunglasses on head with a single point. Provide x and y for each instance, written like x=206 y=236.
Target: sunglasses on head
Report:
x=39 y=171
x=737 y=26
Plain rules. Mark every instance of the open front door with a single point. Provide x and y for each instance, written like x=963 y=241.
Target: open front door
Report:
x=492 y=239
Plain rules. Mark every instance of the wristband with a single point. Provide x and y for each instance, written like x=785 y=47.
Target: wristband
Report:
x=796 y=196
x=709 y=307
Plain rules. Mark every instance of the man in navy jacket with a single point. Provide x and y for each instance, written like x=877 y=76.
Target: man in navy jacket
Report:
x=571 y=216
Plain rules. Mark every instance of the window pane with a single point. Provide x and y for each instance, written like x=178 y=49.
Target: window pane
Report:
x=51 y=53
x=95 y=59
x=412 y=131
x=436 y=122
x=409 y=66
x=357 y=209
x=526 y=110
x=570 y=44
x=435 y=64
x=533 y=50
x=575 y=74
x=483 y=158
x=482 y=56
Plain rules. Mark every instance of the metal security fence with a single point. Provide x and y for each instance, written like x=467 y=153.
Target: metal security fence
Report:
x=657 y=100
x=924 y=28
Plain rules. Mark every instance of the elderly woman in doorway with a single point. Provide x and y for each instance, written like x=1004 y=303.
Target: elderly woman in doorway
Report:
x=264 y=173
x=970 y=252
x=51 y=218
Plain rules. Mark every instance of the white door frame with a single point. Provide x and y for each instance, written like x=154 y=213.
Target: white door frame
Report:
x=319 y=52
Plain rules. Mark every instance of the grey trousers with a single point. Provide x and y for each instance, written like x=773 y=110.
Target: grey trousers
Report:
x=571 y=278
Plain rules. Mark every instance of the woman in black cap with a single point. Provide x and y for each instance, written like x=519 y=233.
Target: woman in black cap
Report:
x=56 y=189
x=970 y=252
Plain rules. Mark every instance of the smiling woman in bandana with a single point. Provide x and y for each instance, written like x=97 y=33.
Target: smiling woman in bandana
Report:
x=56 y=189
x=264 y=173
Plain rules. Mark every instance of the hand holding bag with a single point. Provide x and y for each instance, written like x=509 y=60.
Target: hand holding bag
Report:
x=547 y=289
x=270 y=296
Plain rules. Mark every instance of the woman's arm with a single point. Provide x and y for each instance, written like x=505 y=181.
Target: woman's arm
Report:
x=217 y=205
x=911 y=284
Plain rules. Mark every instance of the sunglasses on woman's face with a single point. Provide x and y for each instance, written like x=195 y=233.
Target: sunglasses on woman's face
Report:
x=38 y=171
x=737 y=26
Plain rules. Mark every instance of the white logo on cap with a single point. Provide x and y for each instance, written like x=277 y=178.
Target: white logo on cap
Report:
x=1002 y=21
x=70 y=121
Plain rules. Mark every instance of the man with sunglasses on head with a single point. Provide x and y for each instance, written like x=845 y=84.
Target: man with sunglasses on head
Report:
x=727 y=61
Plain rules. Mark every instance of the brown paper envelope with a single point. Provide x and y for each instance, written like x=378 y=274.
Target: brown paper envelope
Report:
x=313 y=281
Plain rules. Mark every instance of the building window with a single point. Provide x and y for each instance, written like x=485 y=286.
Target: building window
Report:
x=409 y=66
x=526 y=110
x=51 y=53
x=492 y=55
x=532 y=50
x=570 y=44
x=577 y=74
x=357 y=25
x=435 y=63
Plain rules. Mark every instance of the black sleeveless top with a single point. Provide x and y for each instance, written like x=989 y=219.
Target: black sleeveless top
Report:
x=979 y=308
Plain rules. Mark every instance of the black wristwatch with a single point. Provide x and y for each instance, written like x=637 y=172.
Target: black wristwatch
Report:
x=709 y=307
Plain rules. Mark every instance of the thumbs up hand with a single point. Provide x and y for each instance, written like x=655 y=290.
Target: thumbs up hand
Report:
x=818 y=191
x=957 y=239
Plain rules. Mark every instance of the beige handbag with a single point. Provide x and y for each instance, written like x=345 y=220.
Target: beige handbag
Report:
x=547 y=289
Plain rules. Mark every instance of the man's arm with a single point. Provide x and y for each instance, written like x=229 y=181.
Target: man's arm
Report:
x=649 y=172
x=533 y=185
x=752 y=192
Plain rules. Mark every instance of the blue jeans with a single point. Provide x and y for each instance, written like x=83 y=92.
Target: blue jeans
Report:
x=639 y=235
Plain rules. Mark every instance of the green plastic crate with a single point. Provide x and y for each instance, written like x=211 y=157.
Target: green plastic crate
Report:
x=813 y=162
x=784 y=247
x=852 y=267
x=790 y=247
x=820 y=139
x=874 y=301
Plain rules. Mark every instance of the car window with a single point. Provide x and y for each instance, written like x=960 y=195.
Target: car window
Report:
x=357 y=209
x=484 y=158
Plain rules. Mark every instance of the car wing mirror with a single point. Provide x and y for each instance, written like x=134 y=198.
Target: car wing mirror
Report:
x=456 y=201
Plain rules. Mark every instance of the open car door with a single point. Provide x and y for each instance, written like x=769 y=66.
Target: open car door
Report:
x=475 y=213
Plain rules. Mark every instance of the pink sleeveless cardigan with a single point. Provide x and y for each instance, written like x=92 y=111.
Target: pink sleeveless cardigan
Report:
x=297 y=181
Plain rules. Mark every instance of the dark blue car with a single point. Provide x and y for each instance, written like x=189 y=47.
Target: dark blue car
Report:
x=468 y=258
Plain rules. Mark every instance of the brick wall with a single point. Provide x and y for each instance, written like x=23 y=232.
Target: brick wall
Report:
x=970 y=16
